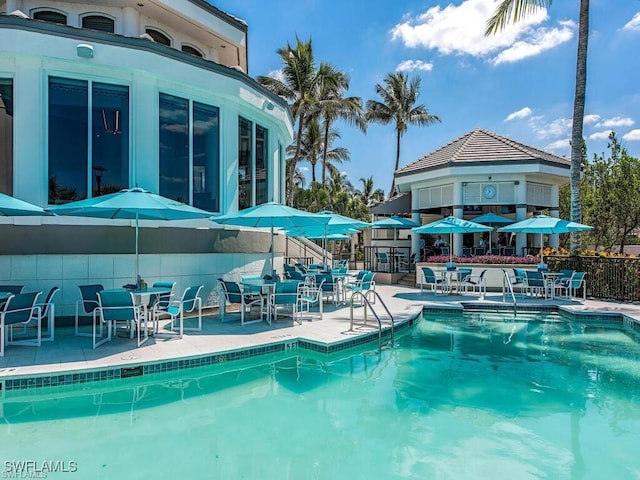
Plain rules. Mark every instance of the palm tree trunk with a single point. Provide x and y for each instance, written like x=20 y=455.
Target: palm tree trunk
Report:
x=294 y=160
x=578 y=118
x=324 y=152
x=393 y=179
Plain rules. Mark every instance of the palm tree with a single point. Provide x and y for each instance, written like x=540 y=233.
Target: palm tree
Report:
x=514 y=10
x=332 y=105
x=398 y=105
x=299 y=87
x=314 y=143
x=368 y=194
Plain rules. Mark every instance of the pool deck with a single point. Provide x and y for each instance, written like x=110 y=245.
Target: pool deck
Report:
x=71 y=354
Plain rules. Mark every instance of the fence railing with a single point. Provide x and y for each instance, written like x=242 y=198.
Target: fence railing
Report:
x=606 y=277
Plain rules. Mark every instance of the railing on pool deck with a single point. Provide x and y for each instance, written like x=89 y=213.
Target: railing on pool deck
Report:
x=367 y=303
x=506 y=286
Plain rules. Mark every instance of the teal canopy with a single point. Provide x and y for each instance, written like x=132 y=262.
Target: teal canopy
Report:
x=12 y=207
x=131 y=204
x=451 y=225
x=273 y=215
x=493 y=219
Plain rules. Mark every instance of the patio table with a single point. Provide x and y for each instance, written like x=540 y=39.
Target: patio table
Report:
x=266 y=287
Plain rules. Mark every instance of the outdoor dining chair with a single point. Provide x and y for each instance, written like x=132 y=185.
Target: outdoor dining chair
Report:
x=575 y=283
x=429 y=278
x=330 y=287
x=476 y=283
x=118 y=306
x=89 y=302
x=47 y=310
x=309 y=295
x=286 y=294
x=159 y=303
x=232 y=294
x=535 y=283
x=20 y=308
x=189 y=302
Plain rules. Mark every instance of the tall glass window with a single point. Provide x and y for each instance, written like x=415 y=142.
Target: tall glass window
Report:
x=68 y=139
x=206 y=157
x=262 y=165
x=174 y=147
x=245 y=171
x=83 y=165
x=110 y=147
x=190 y=152
x=6 y=136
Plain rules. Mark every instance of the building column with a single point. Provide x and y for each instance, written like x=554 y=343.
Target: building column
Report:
x=521 y=214
x=415 y=216
x=554 y=239
x=130 y=22
x=458 y=212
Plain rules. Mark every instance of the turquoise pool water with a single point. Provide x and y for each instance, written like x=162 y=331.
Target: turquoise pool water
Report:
x=458 y=397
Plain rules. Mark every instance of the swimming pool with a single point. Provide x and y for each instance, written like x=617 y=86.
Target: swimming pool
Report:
x=458 y=397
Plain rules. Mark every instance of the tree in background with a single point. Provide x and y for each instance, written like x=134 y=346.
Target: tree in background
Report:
x=513 y=11
x=611 y=195
x=332 y=105
x=369 y=194
x=398 y=105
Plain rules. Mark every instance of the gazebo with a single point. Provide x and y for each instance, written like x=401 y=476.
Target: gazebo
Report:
x=483 y=172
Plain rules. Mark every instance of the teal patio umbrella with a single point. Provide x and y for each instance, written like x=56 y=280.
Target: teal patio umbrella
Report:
x=272 y=215
x=545 y=225
x=337 y=224
x=493 y=219
x=13 y=207
x=452 y=225
x=394 y=223
x=131 y=204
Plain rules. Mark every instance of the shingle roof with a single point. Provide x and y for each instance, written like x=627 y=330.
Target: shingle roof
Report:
x=480 y=146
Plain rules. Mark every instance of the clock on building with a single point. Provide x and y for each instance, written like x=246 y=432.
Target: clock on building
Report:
x=489 y=191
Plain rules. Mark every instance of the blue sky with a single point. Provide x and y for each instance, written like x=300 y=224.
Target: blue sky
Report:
x=519 y=84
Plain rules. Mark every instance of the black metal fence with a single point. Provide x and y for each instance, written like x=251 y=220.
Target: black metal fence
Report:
x=606 y=277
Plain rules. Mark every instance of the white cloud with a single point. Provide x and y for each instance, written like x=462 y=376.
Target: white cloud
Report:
x=519 y=114
x=539 y=41
x=277 y=74
x=559 y=144
x=632 y=136
x=411 y=65
x=557 y=128
x=633 y=24
x=459 y=29
x=591 y=118
x=615 y=122
x=600 y=135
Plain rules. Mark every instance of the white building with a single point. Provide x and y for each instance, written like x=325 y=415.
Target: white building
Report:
x=99 y=96
x=483 y=172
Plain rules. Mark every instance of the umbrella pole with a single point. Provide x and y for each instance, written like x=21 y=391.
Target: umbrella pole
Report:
x=273 y=270
x=450 y=247
x=137 y=253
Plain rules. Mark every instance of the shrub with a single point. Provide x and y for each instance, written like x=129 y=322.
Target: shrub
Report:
x=487 y=259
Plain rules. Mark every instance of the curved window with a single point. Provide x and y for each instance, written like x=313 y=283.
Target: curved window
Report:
x=189 y=152
x=6 y=135
x=98 y=22
x=50 y=16
x=189 y=49
x=158 y=37
x=88 y=140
